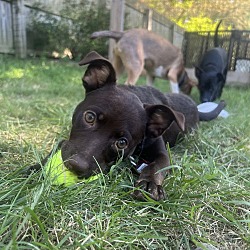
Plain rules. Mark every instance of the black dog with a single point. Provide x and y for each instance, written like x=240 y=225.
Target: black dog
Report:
x=115 y=120
x=211 y=74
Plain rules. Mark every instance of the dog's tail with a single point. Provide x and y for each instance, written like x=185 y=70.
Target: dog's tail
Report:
x=117 y=35
x=208 y=116
x=216 y=40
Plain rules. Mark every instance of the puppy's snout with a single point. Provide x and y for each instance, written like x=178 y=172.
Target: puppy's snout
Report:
x=204 y=100
x=79 y=167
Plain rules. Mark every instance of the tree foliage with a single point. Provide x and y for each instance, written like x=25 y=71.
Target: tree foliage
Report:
x=200 y=15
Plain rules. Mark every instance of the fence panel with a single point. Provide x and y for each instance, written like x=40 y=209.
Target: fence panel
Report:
x=163 y=26
x=6 y=33
x=136 y=17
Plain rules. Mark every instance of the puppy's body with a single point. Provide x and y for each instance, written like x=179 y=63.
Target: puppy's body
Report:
x=118 y=120
x=139 y=49
x=211 y=74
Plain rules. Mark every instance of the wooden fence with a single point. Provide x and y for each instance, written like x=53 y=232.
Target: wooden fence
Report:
x=140 y=16
x=6 y=32
x=14 y=15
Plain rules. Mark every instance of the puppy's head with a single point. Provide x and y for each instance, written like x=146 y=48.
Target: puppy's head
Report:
x=110 y=122
x=210 y=84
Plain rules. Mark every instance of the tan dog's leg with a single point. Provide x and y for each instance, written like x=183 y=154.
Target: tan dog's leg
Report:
x=133 y=70
x=174 y=87
x=118 y=65
x=149 y=80
x=133 y=76
x=172 y=76
x=133 y=60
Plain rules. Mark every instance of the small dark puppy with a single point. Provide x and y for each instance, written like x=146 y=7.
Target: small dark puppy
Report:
x=211 y=74
x=117 y=120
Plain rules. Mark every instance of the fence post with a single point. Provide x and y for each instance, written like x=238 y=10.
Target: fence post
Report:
x=19 y=28
x=172 y=29
x=148 y=19
x=116 y=21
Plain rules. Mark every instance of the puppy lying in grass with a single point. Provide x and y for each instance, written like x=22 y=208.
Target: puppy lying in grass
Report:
x=119 y=120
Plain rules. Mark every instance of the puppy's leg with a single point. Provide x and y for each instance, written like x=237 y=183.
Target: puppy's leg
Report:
x=152 y=176
x=151 y=182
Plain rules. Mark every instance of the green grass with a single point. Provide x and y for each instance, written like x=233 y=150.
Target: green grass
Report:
x=208 y=193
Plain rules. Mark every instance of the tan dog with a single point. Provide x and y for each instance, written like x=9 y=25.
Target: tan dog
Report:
x=139 y=49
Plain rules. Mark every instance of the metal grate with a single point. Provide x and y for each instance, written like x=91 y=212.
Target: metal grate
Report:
x=242 y=65
x=236 y=43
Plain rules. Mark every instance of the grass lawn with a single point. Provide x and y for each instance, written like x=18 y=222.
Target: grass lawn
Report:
x=208 y=191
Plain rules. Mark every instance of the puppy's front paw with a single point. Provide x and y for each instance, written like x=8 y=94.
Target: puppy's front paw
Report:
x=154 y=191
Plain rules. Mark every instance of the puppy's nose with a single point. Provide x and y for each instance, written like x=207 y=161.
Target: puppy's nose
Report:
x=79 y=167
x=204 y=100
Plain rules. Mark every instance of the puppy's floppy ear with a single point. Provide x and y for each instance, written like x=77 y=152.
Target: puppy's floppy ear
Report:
x=160 y=118
x=198 y=71
x=99 y=73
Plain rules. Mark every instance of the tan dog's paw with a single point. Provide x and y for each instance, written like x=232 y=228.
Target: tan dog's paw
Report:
x=155 y=192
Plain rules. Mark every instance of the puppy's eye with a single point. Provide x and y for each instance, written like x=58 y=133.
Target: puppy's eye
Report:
x=122 y=143
x=89 y=117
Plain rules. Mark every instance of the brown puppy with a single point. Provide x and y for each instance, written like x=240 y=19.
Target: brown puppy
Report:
x=118 y=120
x=139 y=49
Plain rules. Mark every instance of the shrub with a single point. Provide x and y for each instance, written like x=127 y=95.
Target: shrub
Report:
x=48 y=33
